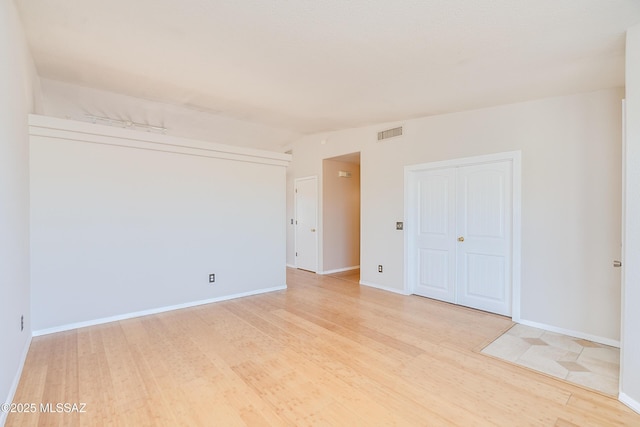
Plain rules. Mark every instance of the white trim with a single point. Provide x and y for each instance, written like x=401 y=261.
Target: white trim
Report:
x=622 y=396
x=291 y=266
x=295 y=225
x=631 y=403
x=51 y=127
x=406 y=229
x=516 y=233
x=16 y=380
x=569 y=332
x=339 y=270
x=152 y=311
x=383 y=288
x=464 y=161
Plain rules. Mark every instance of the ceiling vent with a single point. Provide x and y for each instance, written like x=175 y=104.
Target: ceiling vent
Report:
x=390 y=133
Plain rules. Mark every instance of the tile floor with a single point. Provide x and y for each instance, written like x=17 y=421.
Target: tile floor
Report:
x=576 y=360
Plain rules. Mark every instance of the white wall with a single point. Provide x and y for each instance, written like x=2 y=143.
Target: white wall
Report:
x=18 y=92
x=630 y=350
x=70 y=101
x=341 y=216
x=119 y=230
x=571 y=151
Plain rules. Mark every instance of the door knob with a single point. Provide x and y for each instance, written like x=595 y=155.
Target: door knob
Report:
x=460 y=239
x=617 y=263
x=313 y=230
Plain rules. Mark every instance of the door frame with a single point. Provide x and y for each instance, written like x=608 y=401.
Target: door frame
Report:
x=515 y=157
x=295 y=215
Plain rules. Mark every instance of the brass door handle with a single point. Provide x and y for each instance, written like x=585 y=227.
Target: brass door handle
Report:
x=617 y=263
x=460 y=239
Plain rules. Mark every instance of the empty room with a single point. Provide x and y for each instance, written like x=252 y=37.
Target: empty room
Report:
x=366 y=212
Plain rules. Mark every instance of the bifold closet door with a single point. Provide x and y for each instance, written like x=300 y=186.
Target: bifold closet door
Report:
x=462 y=235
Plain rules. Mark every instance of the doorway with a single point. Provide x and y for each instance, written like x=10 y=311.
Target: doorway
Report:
x=341 y=216
x=462 y=232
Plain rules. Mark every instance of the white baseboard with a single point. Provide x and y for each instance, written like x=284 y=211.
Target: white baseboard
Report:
x=576 y=334
x=16 y=380
x=291 y=266
x=631 y=403
x=94 y=322
x=340 y=270
x=384 y=288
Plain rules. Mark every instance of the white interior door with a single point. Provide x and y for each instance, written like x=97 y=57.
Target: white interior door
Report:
x=435 y=254
x=460 y=225
x=483 y=223
x=306 y=235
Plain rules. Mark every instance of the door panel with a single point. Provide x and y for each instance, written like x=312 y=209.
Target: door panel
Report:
x=306 y=204
x=484 y=202
x=483 y=259
x=434 y=269
x=435 y=234
x=483 y=272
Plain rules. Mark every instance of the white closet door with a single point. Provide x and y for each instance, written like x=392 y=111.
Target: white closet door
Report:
x=483 y=225
x=435 y=234
x=461 y=235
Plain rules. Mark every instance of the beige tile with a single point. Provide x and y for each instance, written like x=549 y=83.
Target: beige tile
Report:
x=534 y=341
x=525 y=331
x=601 y=383
x=570 y=357
x=543 y=359
x=561 y=341
x=507 y=347
x=573 y=366
x=544 y=352
x=600 y=367
x=605 y=354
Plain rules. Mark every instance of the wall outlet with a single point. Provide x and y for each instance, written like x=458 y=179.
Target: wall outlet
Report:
x=379 y=268
x=21 y=323
x=212 y=278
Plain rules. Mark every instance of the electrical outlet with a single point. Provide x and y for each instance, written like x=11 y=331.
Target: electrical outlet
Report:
x=379 y=268
x=212 y=278
x=21 y=323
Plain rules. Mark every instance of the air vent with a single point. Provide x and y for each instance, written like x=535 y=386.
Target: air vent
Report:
x=390 y=133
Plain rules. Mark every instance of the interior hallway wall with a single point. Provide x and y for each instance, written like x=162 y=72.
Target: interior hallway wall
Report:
x=341 y=216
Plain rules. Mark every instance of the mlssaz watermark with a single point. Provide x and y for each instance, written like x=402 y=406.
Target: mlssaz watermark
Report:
x=52 y=408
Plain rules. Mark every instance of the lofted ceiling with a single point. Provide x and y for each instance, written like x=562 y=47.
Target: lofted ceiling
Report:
x=318 y=65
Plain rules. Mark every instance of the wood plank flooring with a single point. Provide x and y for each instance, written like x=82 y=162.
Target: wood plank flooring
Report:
x=324 y=352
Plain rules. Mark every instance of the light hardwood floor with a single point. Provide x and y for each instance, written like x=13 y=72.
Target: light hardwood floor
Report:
x=324 y=352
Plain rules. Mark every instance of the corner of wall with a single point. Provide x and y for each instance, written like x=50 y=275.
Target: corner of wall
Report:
x=20 y=96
